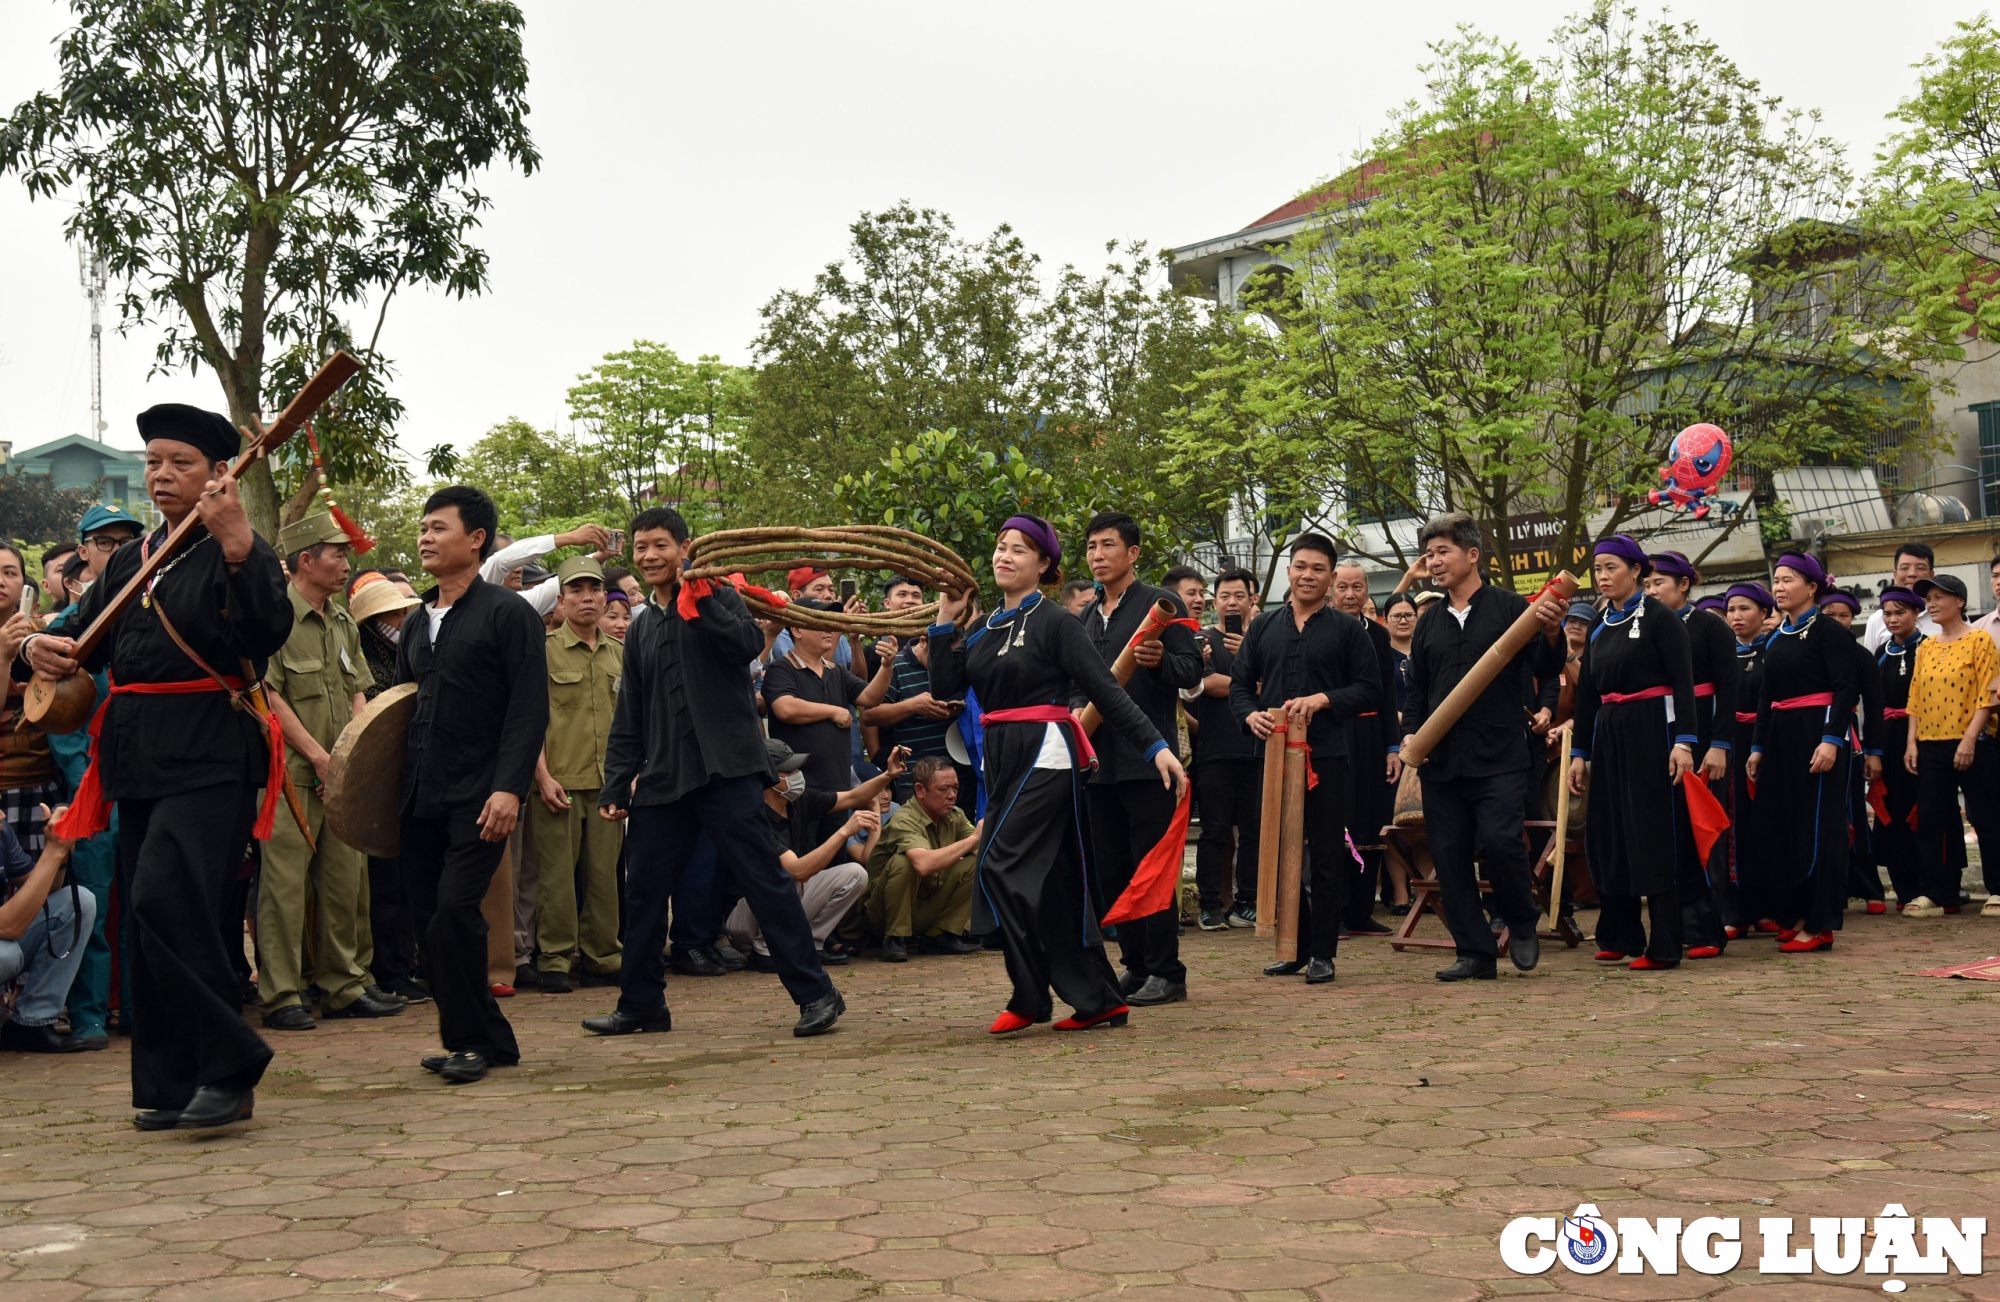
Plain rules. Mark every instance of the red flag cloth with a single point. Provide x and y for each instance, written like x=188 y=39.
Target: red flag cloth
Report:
x=1158 y=874
x=88 y=814
x=1705 y=812
x=1878 y=800
x=693 y=590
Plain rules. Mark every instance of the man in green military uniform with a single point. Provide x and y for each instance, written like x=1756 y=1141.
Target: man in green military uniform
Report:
x=921 y=873
x=584 y=668
x=316 y=683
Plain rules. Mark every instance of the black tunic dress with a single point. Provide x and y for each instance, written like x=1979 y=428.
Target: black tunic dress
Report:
x=1750 y=848
x=1896 y=836
x=1631 y=831
x=1707 y=902
x=1033 y=868
x=1864 y=872
x=1371 y=796
x=1806 y=812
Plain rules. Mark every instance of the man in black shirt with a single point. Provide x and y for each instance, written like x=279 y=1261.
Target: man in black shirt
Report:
x=813 y=703
x=1473 y=781
x=687 y=756
x=1228 y=767
x=1129 y=809
x=477 y=654
x=1313 y=665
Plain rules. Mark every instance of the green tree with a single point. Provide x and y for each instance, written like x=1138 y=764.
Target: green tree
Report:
x=256 y=170
x=1544 y=272
x=33 y=509
x=665 y=430
x=541 y=481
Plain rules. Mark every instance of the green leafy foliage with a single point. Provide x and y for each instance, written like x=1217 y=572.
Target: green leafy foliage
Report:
x=33 y=509
x=663 y=431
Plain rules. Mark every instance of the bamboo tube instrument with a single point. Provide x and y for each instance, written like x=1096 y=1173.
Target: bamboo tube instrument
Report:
x=1156 y=622
x=1562 y=830
x=1268 y=829
x=1292 y=850
x=1484 y=670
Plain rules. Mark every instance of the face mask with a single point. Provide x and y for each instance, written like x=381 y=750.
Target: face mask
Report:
x=795 y=786
x=394 y=632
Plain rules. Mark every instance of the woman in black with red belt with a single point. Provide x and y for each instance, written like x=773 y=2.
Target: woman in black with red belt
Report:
x=1749 y=903
x=1800 y=757
x=1896 y=815
x=1635 y=729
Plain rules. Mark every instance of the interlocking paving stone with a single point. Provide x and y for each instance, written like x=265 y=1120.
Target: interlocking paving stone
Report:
x=1265 y=1141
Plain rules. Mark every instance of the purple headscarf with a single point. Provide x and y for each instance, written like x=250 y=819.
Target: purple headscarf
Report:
x=1805 y=566
x=1839 y=598
x=1675 y=566
x=1716 y=604
x=1625 y=548
x=1039 y=532
x=1754 y=592
x=1902 y=595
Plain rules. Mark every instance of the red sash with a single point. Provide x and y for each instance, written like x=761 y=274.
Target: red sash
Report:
x=1704 y=689
x=89 y=814
x=1891 y=712
x=1805 y=702
x=1159 y=873
x=1650 y=694
x=1746 y=716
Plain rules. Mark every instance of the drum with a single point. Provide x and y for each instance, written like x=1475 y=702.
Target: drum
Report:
x=364 y=775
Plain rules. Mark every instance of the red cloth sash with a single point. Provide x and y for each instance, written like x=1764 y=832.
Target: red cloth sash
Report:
x=693 y=590
x=1746 y=716
x=1891 y=712
x=1047 y=714
x=1805 y=702
x=1650 y=694
x=1704 y=689
x=89 y=814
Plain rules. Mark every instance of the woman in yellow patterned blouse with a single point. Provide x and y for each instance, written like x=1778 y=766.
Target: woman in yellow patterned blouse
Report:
x=1951 y=748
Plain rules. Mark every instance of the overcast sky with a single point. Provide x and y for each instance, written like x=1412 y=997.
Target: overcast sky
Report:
x=699 y=157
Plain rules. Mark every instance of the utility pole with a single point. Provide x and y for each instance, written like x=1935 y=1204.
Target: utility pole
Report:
x=90 y=270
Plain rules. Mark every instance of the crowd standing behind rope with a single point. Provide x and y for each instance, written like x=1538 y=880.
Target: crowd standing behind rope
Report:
x=612 y=773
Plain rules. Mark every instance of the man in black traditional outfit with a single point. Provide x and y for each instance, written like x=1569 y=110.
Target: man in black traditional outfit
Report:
x=1474 y=781
x=476 y=653
x=1129 y=808
x=687 y=756
x=1372 y=744
x=185 y=766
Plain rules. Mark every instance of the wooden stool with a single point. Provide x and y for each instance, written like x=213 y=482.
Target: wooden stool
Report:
x=1406 y=844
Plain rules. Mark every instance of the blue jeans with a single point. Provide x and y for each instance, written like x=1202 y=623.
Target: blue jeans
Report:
x=48 y=975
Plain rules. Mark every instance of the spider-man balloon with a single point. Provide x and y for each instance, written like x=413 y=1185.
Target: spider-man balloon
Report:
x=1696 y=463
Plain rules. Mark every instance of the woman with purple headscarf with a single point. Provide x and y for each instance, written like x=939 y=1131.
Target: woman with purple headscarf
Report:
x=1034 y=870
x=1812 y=681
x=1635 y=727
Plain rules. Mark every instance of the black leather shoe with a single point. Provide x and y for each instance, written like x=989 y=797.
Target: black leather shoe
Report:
x=834 y=957
x=818 y=1017
x=1292 y=968
x=1525 y=951
x=101 y=1040
x=1367 y=927
x=292 y=1017
x=1468 y=968
x=365 y=1005
x=693 y=961
x=411 y=990
x=1319 y=972
x=591 y=978
x=947 y=945
x=554 y=983
x=434 y=1063
x=464 y=1068
x=524 y=976
x=761 y=962
x=1128 y=981
x=216 y=1105
x=383 y=996
x=727 y=956
x=16 y=1038
x=1157 y=990
x=895 y=949
x=617 y=1022
x=159 y=1119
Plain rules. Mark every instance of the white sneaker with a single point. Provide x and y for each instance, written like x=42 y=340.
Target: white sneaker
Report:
x=1922 y=907
x=1992 y=907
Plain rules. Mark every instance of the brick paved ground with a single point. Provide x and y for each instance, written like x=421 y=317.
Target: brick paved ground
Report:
x=1360 y=1143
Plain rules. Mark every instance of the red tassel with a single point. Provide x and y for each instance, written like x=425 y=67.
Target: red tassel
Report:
x=274 y=780
x=88 y=814
x=357 y=537
x=1158 y=874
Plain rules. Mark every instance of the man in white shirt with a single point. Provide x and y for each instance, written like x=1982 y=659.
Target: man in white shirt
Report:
x=1914 y=561
x=1990 y=621
x=543 y=596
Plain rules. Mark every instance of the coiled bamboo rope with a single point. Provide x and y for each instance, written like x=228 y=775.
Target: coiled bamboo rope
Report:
x=856 y=547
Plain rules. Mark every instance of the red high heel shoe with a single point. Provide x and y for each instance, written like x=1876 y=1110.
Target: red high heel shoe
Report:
x=1113 y=1017
x=1610 y=956
x=1009 y=1021
x=1878 y=906
x=1705 y=951
x=1805 y=944
x=1732 y=933
x=1767 y=926
x=1644 y=964
x=1787 y=936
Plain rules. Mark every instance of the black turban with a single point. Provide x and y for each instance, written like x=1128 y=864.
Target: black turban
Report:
x=207 y=430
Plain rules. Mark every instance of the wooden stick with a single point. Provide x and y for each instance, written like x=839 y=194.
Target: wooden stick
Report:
x=1269 y=827
x=1562 y=828
x=1127 y=663
x=1453 y=707
x=1291 y=851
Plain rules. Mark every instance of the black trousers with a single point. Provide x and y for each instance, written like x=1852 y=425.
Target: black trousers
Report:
x=1468 y=818
x=1619 y=925
x=183 y=857
x=1940 y=783
x=658 y=841
x=1230 y=795
x=1329 y=866
x=1896 y=839
x=1031 y=878
x=446 y=870
x=1695 y=880
x=1864 y=869
x=1126 y=820
x=390 y=922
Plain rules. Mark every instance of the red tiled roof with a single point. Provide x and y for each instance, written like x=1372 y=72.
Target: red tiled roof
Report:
x=1350 y=188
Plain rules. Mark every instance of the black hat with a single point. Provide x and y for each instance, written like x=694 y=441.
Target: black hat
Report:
x=1950 y=583
x=783 y=758
x=209 y=431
